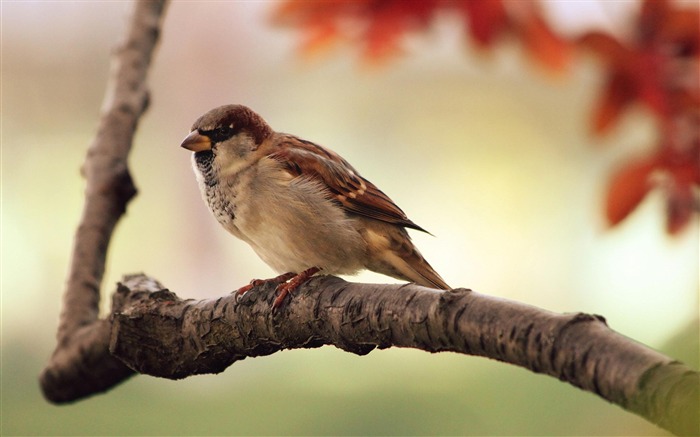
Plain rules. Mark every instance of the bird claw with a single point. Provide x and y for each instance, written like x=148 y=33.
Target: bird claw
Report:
x=292 y=284
x=286 y=283
x=279 y=280
x=282 y=291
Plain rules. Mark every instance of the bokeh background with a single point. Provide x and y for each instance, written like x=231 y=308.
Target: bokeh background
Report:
x=487 y=152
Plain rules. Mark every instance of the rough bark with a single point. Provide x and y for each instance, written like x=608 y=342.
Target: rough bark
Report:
x=159 y=334
x=151 y=331
x=109 y=189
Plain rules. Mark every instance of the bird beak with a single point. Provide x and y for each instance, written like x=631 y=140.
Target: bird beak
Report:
x=196 y=142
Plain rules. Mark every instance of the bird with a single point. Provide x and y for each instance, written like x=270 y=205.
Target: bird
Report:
x=301 y=207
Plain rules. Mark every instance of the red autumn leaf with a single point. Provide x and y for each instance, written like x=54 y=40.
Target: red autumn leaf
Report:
x=686 y=101
x=660 y=22
x=682 y=170
x=544 y=45
x=607 y=47
x=628 y=188
x=304 y=14
x=387 y=21
x=646 y=70
x=634 y=75
x=679 y=208
x=319 y=38
x=651 y=15
x=378 y=25
x=387 y=24
x=650 y=83
x=486 y=20
x=680 y=29
x=315 y=19
x=616 y=97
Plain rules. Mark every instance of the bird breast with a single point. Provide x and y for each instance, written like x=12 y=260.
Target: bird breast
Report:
x=290 y=221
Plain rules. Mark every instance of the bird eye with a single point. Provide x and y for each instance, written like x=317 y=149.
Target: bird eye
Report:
x=220 y=134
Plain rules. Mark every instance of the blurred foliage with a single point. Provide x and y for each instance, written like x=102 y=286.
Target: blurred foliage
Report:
x=656 y=64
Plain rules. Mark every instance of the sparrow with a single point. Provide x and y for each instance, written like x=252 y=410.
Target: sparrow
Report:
x=300 y=206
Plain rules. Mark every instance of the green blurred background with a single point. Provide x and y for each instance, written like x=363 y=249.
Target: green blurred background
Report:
x=486 y=152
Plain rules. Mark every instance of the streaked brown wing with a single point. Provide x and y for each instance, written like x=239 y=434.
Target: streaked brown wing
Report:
x=355 y=193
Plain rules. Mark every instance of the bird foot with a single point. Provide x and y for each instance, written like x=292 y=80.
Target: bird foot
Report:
x=257 y=282
x=292 y=284
x=286 y=283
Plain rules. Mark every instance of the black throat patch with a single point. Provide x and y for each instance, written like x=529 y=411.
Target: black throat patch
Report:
x=205 y=165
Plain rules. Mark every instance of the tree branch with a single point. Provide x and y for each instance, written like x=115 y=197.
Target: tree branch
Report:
x=156 y=333
x=108 y=191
